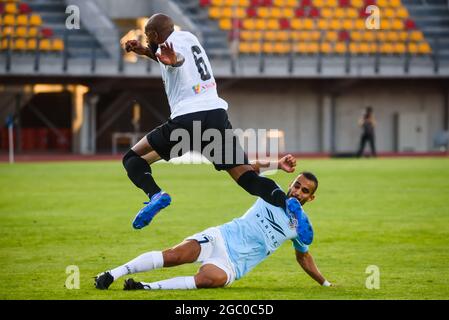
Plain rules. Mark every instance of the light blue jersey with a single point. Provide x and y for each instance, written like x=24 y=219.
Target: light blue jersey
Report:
x=260 y=231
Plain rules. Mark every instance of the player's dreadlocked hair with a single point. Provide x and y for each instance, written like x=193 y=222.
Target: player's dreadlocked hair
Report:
x=310 y=176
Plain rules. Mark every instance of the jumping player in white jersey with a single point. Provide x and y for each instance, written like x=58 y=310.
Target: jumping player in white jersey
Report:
x=229 y=251
x=192 y=94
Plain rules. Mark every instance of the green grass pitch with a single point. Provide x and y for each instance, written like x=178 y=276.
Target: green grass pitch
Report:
x=392 y=213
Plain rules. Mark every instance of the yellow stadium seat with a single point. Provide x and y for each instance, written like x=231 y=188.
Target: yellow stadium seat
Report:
x=227 y=12
x=387 y=48
x=335 y=24
x=244 y=47
x=416 y=36
x=33 y=32
x=35 y=20
x=403 y=36
x=263 y=12
x=340 y=47
x=424 y=48
x=292 y=3
x=352 y=13
x=243 y=3
x=325 y=47
x=412 y=48
x=268 y=47
x=57 y=45
x=357 y=3
x=281 y=48
x=273 y=24
x=270 y=36
x=31 y=44
x=319 y=3
x=279 y=3
x=340 y=13
x=331 y=36
x=315 y=35
x=353 y=48
x=399 y=48
x=4 y=44
x=395 y=3
x=10 y=8
x=385 y=24
x=225 y=24
x=7 y=31
x=360 y=24
x=312 y=48
x=309 y=24
x=388 y=12
x=327 y=13
x=239 y=13
x=217 y=3
x=246 y=35
x=248 y=24
x=22 y=32
x=45 y=45
x=9 y=20
x=20 y=44
x=323 y=24
x=22 y=20
x=214 y=12
x=276 y=13
x=256 y=47
x=261 y=24
x=364 y=48
x=288 y=13
x=296 y=24
x=348 y=24
x=299 y=47
x=382 y=4
x=356 y=36
x=397 y=24
x=392 y=36
x=332 y=3
x=402 y=13
x=282 y=36
x=369 y=36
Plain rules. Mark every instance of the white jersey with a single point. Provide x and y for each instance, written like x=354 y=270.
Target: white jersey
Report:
x=190 y=87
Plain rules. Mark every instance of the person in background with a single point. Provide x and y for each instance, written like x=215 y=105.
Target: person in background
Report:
x=367 y=123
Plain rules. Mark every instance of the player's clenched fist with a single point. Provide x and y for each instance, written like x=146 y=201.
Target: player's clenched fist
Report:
x=136 y=47
x=287 y=163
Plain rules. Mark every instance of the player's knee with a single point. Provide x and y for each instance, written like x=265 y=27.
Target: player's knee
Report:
x=129 y=155
x=215 y=281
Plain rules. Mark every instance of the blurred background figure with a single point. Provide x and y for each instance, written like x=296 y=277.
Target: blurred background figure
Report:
x=367 y=123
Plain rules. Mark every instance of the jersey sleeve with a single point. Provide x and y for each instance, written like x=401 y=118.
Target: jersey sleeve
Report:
x=299 y=246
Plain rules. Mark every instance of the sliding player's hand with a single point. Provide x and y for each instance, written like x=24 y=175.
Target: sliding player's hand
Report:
x=287 y=163
x=167 y=55
x=136 y=47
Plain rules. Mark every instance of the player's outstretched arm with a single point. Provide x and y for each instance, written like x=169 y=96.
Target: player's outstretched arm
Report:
x=136 y=47
x=306 y=261
x=286 y=163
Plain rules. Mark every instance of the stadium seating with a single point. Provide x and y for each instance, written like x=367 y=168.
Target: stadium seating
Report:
x=317 y=26
x=24 y=31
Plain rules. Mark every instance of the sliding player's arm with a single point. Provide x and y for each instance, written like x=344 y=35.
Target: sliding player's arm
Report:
x=286 y=163
x=306 y=261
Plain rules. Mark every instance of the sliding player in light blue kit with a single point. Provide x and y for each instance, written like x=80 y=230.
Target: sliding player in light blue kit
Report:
x=229 y=251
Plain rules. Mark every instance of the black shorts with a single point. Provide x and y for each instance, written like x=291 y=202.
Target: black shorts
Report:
x=208 y=132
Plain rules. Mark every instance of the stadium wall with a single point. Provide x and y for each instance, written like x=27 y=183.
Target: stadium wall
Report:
x=303 y=110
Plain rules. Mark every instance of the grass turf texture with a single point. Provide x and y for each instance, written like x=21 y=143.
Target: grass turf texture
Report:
x=392 y=213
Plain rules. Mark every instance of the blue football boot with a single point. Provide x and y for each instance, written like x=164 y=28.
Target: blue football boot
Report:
x=304 y=227
x=158 y=202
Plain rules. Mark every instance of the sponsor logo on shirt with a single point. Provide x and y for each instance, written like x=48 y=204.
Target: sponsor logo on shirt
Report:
x=201 y=87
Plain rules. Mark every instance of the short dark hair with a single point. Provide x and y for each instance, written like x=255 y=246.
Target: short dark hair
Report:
x=310 y=176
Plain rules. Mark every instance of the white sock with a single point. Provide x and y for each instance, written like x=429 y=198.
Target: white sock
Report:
x=145 y=262
x=173 y=283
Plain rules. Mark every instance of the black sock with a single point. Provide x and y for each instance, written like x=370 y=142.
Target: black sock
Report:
x=263 y=187
x=139 y=172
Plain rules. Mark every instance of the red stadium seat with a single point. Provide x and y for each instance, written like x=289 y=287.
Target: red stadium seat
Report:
x=284 y=24
x=410 y=24
x=24 y=8
x=343 y=35
x=251 y=12
x=306 y=3
x=344 y=3
x=47 y=32
x=314 y=13
x=300 y=13
x=204 y=3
